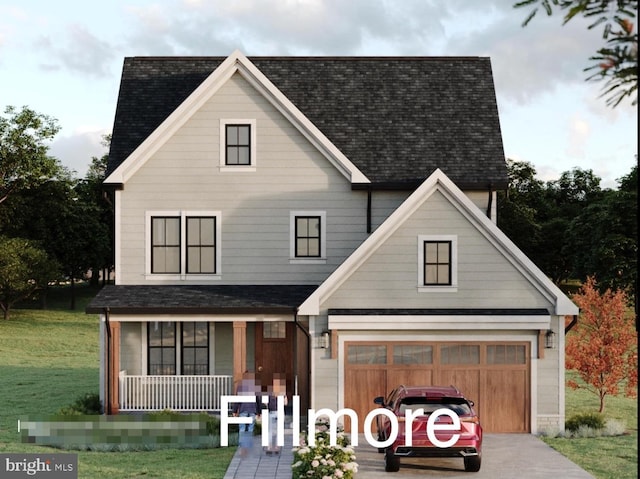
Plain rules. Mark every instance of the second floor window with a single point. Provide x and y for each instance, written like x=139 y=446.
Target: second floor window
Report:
x=201 y=245
x=165 y=244
x=238 y=145
x=184 y=243
x=308 y=237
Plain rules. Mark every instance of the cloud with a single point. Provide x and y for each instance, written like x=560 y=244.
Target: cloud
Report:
x=79 y=51
x=578 y=137
x=76 y=150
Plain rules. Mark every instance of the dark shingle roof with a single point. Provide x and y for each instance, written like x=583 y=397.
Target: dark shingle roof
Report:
x=396 y=118
x=217 y=299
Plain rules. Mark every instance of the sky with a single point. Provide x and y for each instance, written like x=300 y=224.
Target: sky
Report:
x=64 y=59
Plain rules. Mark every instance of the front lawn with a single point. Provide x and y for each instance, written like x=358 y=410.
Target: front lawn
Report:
x=604 y=457
x=47 y=360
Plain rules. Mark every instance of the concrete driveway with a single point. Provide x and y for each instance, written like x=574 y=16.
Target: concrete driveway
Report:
x=504 y=456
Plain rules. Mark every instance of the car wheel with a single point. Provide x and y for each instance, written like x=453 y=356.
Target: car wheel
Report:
x=472 y=463
x=391 y=461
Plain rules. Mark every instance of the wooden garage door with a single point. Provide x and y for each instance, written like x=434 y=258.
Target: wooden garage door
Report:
x=494 y=375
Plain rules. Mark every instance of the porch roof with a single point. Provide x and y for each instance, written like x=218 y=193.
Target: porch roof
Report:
x=209 y=299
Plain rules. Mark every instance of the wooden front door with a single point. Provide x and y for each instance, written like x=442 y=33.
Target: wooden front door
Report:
x=274 y=352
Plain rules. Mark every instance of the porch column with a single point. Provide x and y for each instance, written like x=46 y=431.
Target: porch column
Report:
x=239 y=350
x=114 y=367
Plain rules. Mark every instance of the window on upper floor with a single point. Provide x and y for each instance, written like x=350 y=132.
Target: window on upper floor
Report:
x=165 y=244
x=308 y=235
x=437 y=262
x=183 y=243
x=238 y=145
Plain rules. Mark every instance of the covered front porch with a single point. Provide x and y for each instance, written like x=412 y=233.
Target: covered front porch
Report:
x=156 y=357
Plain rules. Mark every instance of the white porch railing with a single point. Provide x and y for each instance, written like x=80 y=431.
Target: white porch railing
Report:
x=178 y=393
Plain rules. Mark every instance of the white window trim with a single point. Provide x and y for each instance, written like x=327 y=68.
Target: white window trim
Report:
x=292 y=237
x=453 y=287
x=183 y=214
x=223 y=154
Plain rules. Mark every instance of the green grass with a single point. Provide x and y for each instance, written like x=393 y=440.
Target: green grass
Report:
x=603 y=457
x=47 y=360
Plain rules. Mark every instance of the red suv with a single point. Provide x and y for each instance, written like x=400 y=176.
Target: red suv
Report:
x=430 y=398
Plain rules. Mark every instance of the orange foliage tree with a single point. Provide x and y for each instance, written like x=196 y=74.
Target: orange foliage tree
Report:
x=603 y=346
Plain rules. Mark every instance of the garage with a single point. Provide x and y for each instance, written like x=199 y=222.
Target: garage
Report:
x=495 y=375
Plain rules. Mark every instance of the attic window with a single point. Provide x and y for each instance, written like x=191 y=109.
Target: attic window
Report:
x=237 y=145
x=437 y=263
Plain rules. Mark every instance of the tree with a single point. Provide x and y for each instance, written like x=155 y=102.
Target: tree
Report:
x=24 y=268
x=617 y=62
x=604 y=238
x=603 y=346
x=24 y=162
x=518 y=207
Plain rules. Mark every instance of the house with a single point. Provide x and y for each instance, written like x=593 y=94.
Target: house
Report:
x=331 y=219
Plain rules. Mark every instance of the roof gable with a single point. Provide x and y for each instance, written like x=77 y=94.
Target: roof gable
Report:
x=235 y=63
x=439 y=182
x=395 y=119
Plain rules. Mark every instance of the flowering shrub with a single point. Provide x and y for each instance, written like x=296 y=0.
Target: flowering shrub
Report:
x=323 y=461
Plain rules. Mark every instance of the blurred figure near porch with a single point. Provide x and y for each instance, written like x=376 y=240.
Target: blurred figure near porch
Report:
x=248 y=386
x=277 y=388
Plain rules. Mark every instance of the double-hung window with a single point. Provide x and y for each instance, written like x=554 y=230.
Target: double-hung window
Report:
x=195 y=348
x=162 y=348
x=177 y=348
x=182 y=244
x=437 y=262
x=237 y=145
x=308 y=236
x=165 y=244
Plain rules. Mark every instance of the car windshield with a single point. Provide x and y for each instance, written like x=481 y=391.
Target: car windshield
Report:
x=460 y=407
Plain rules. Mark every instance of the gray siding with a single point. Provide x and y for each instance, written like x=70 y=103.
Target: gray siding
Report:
x=389 y=278
x=255 y=206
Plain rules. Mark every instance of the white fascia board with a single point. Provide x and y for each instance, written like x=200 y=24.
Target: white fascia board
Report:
x=236 y=62
x=262 y=83
x=439 y=322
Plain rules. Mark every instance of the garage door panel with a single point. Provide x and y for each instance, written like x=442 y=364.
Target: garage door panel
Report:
x=466 y=380
x=408 y=377
x=506 y=408
x=362 y=386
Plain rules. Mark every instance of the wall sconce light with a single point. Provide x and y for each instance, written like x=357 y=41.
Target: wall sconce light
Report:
x=550 y=339
x=325 y=339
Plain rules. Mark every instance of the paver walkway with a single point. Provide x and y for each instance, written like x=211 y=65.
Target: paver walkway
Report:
x=258 y=464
